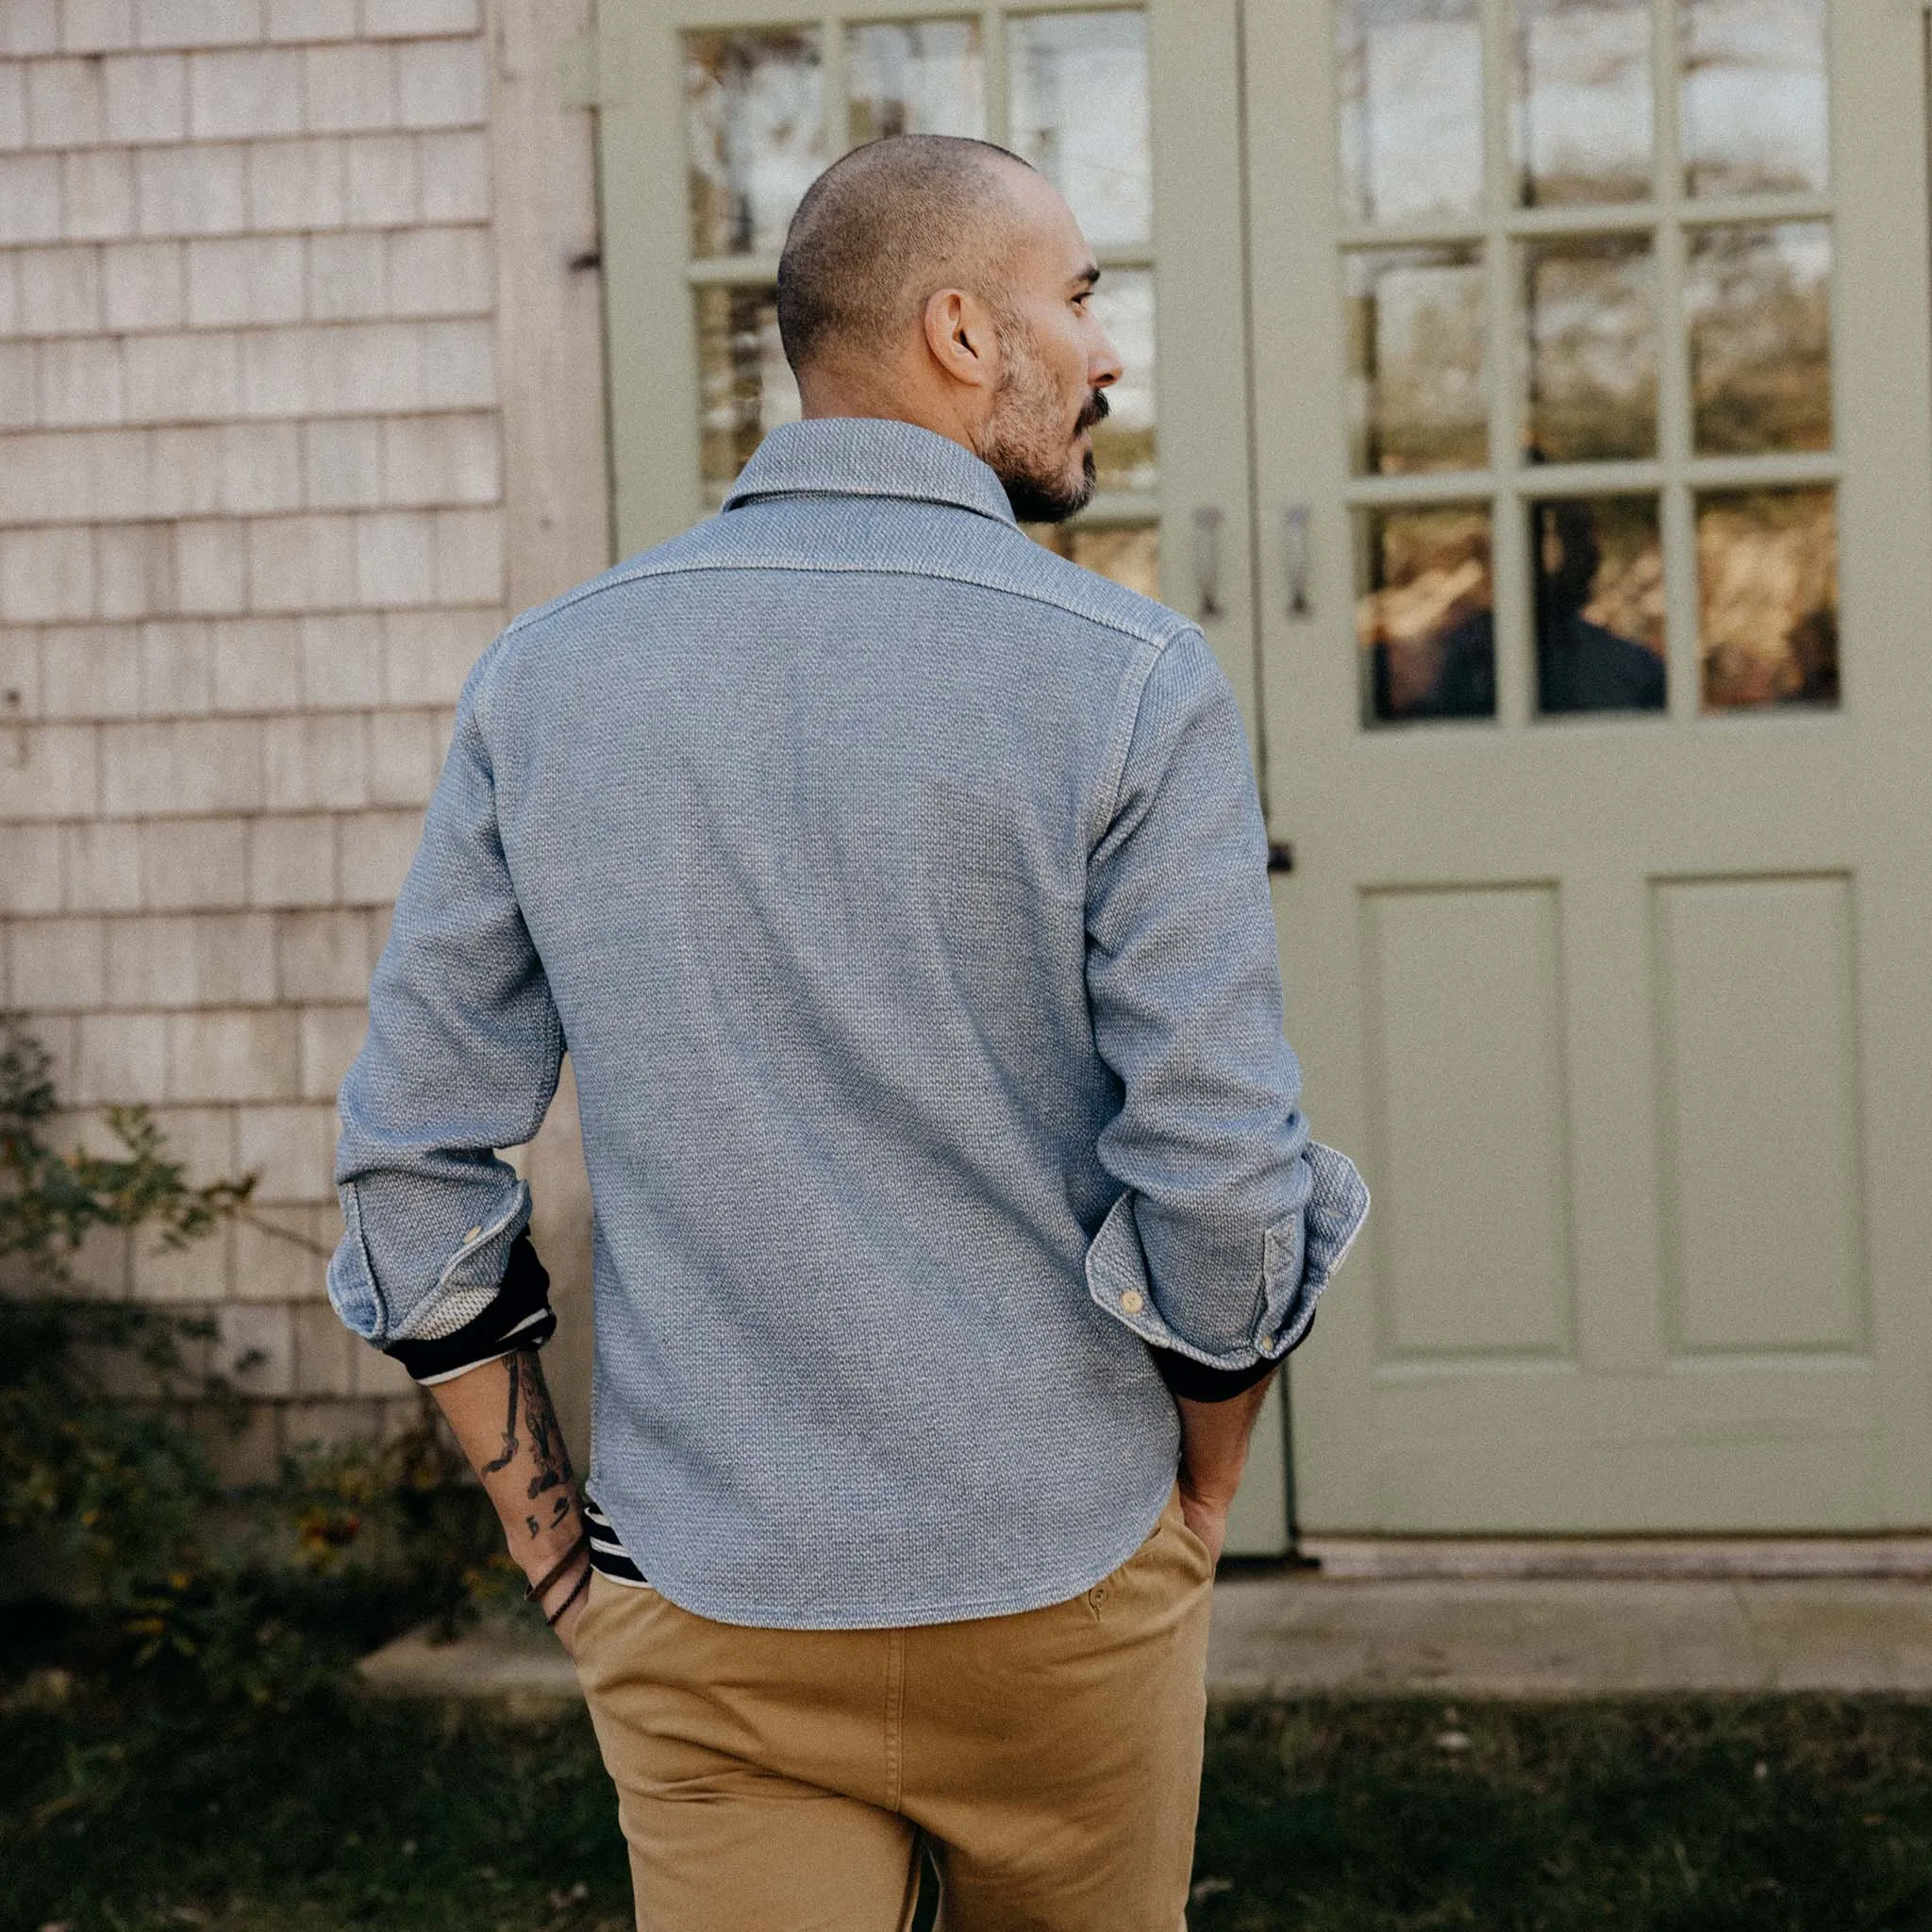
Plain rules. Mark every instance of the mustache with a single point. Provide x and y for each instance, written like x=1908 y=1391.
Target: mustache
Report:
x=1097 y=409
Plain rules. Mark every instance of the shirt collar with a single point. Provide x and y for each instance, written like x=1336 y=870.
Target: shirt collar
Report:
x=869 y=456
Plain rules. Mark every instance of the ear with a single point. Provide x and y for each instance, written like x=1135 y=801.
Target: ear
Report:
x=961 y=338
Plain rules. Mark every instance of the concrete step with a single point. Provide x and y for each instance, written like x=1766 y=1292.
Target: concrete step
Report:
x=1297 y=1635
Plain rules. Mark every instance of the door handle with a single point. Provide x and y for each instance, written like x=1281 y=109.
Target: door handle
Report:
x=1294 y=557
x=1207 y=558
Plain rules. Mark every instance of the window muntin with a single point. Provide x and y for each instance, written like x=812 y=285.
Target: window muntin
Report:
x=1609 y=324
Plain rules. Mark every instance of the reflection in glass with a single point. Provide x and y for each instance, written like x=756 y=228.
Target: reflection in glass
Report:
x=1425 y=613
x=1129 y=554
x=1078 y=86
x=744 y=383
x=1759 y=300
x=1755 y=109
x=917 y=77
x=1417 y=398
x=1599 y=565
x=1583 y=106
x=1123 y=451
x=1412 y=108
x=1592 y=350
x=1767 y=596
x=754 y=121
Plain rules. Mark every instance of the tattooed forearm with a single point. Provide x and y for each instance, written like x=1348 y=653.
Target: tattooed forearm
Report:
x=515 y=1366
x=502 y=1415
x=547 y=1450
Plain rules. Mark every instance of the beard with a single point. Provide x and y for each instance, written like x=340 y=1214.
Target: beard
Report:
x=1023 y=445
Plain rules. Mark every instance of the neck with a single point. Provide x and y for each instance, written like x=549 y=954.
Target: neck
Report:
x=826 y=395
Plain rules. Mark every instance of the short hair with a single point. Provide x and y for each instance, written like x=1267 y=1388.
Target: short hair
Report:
x=883 y=227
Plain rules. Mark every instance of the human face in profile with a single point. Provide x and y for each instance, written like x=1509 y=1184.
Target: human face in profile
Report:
x=1056 y=362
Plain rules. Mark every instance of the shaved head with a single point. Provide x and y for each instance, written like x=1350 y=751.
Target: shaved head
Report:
x=883 y=228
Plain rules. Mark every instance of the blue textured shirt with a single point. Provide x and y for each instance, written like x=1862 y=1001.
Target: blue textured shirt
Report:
x=899 y=892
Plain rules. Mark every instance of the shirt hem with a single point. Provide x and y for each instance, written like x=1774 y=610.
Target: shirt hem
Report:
x=777 y=1615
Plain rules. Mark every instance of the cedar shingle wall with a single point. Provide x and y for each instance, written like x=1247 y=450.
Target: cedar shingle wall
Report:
x=251 y=537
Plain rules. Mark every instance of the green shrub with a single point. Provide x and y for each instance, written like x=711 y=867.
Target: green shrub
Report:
x=101 y=1460
x=93 y=1450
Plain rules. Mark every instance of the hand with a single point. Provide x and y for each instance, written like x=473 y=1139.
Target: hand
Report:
x=1206 y=1517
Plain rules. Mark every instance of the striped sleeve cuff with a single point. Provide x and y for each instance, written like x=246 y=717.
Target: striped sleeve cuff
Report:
x=519 y=1317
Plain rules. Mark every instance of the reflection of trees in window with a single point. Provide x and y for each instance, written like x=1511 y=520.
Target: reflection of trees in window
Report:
x=754 y=120
x=745 y=384
x=1412 y=108
x=1592 y=349
x=1583 y=103
x=1423 y=617
x=914 y=77
x=1767 y=567
x=1760 y=338
x=1754 y=108
x=1415 y=329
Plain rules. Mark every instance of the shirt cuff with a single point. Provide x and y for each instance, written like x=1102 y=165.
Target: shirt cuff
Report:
x=519 y=1317
x=1300 y=1254
x=1195 y=1381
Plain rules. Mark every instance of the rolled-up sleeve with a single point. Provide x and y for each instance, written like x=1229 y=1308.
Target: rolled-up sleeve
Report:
x=1230 y=1220
x=462 y=1058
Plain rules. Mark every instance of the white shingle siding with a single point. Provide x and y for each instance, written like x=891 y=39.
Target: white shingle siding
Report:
x=251 y=539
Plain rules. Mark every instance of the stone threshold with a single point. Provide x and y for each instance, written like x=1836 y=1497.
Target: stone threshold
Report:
x=1302 y=1634
x=1635 y=1557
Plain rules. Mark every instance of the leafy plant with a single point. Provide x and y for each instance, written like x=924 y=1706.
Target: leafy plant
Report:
x=51 y=1202
x=101 y=1457
x=93 y=1450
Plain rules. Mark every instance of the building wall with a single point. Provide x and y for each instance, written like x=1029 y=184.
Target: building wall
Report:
x=253 y=533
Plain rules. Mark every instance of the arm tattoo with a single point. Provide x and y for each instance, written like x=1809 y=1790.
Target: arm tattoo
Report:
x=546 y=1444
x=510 y=1420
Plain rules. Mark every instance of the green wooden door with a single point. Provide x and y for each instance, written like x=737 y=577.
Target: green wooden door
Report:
x=1592 y=433
x=715 y=116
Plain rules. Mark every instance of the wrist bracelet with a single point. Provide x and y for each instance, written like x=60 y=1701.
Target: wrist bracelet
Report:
x=576 y=1590
x=570 y=1557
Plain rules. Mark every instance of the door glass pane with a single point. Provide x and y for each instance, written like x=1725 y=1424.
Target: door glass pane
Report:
x=1759 y=300
x=1592 y=350
x=755 y=129
x=1417 y=397
x=1583 y=100
x=1755 y=110
x=918 y=77
x=1767 y=595
x=744 y=383
x=1412 y=108
x=1124 y=445
x=1129 y=554
x=1079 y=111
x=1599 y=568
x=1424 y=608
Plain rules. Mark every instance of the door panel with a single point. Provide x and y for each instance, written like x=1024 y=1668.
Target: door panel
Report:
x=1594 y=710
x=718 y=113
x=1756 y=993
x=1464 y=1018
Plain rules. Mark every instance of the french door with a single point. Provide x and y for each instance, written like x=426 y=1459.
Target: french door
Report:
x=1530 y=397
x=1592 y=427
x=716 y=114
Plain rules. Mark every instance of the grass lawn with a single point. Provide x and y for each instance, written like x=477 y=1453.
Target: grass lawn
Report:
x=131 y=1805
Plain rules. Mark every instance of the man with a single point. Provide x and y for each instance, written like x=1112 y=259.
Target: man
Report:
x=898 y=890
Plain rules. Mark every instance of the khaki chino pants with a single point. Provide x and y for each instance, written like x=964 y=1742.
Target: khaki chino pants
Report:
x=785 y=1780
